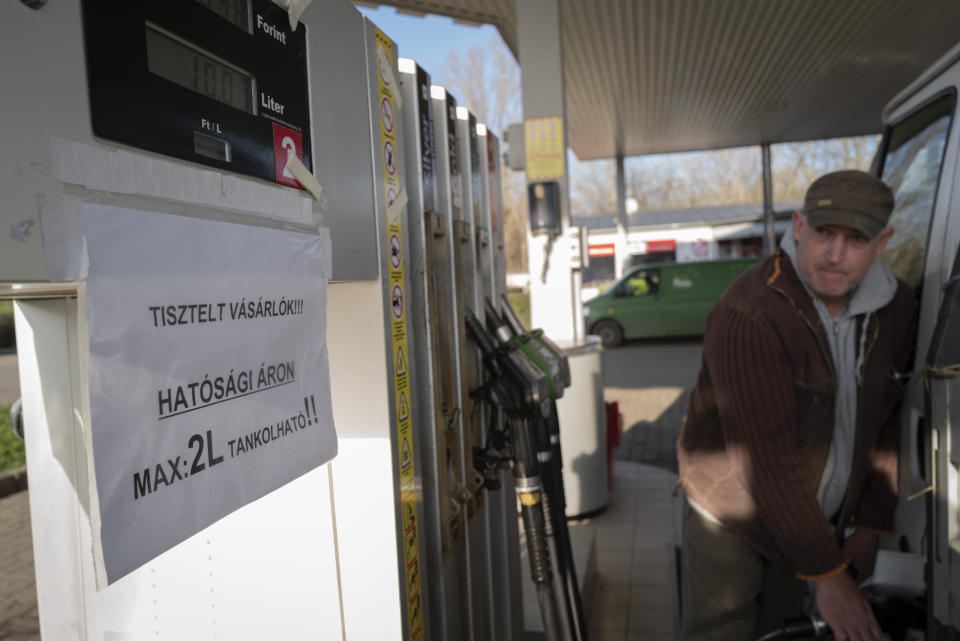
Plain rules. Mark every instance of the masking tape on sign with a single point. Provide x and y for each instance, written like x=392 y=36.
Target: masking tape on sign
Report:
x=64 y=243
x=127 y=172
x=394 y=208
x=387 y=67
x=294 y=9
x=303 y=175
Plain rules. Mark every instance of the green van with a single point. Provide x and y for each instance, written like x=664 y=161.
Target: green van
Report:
x=664 y=299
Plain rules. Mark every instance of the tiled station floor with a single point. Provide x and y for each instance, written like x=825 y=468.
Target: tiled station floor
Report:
x=633 y=595
x=624 y=559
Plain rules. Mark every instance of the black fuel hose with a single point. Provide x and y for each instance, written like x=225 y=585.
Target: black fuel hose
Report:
x=553 y=526
x=565 y=554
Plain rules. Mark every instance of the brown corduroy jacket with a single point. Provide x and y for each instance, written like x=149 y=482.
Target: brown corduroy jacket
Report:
x=760 y=420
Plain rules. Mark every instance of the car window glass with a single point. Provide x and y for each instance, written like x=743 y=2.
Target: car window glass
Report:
x=911 y=167
x=642 y=282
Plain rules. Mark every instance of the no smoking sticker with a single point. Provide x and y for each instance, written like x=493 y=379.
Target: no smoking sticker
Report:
x=395 y=255
x=386 y=114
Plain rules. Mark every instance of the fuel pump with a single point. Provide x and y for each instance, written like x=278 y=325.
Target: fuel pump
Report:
x=519 y=390
x=553 y=362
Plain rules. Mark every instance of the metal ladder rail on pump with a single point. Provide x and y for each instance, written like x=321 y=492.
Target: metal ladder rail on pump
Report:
x=518 y=390
x=553 y=362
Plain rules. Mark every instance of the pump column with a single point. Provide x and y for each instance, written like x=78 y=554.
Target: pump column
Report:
x=553 y=302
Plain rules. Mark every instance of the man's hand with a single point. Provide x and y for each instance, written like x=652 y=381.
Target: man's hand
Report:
x=861 y=549
x=846 y=610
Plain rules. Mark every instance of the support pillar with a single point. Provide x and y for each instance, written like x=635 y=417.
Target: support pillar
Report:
x=769 y=236
x=620 y=255
x=554 y=301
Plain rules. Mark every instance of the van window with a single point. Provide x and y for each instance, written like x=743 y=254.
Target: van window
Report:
x=911 y=167
x=642 y=283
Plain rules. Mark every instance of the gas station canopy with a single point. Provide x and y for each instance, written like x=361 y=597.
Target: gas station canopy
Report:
x=655 y=76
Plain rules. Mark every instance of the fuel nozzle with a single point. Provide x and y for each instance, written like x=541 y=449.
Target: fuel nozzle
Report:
x=541 y=351
x=517 y=385
x=497 y=323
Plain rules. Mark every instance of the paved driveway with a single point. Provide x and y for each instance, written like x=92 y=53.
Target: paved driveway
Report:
x=18 y=591
x=651 y=380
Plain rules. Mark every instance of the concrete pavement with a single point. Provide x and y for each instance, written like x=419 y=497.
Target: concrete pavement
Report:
x=651 y=382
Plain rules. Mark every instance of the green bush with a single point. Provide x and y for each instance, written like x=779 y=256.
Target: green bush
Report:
x=11 y=448
x=6 y=324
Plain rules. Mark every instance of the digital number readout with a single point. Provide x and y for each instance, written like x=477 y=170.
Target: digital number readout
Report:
x=236 y=12
x=187 y=65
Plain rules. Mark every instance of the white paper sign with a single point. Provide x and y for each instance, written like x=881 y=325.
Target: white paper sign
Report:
x=208 y=372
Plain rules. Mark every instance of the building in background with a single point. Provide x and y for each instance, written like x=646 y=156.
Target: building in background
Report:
x=679 y=235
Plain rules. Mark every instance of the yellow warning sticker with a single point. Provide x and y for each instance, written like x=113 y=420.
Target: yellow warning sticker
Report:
x=543 y=139
x=406 y=455
x=388 y=99
x=404 y=410
x=400 y=364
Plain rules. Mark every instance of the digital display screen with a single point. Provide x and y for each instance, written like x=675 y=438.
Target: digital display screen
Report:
x=236 y=12
x=176 y=60
x=211 y=147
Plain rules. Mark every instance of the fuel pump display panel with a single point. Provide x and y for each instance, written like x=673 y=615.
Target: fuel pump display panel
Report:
x=177 y=61
x=218 y=82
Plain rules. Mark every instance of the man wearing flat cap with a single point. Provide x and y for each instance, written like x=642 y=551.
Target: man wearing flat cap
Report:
x=788 y=456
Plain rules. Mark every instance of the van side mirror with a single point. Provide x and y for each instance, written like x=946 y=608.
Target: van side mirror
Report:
x=620 y=290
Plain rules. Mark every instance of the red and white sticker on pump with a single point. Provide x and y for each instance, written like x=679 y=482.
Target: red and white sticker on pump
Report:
x=285 y=141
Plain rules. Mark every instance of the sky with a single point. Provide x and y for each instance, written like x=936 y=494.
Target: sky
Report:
x=428 y=40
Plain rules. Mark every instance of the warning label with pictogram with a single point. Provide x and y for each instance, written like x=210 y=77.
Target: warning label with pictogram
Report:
x=389 y=157
x=401 y=364
x=395 y=255
x=398 y=334
x=386 y=114
x=396 y=301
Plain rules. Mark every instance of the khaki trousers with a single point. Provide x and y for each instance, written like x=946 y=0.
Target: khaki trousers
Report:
x=731 y=592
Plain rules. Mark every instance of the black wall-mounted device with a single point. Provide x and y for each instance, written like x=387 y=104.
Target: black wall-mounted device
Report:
x=543 y=200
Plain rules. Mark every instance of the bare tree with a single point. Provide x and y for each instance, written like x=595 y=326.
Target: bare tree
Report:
x=593 y=188
x=715 y=178
x=486 y=79
x=796 y=165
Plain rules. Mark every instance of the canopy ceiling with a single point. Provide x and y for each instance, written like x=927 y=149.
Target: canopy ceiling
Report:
x=653 y=76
